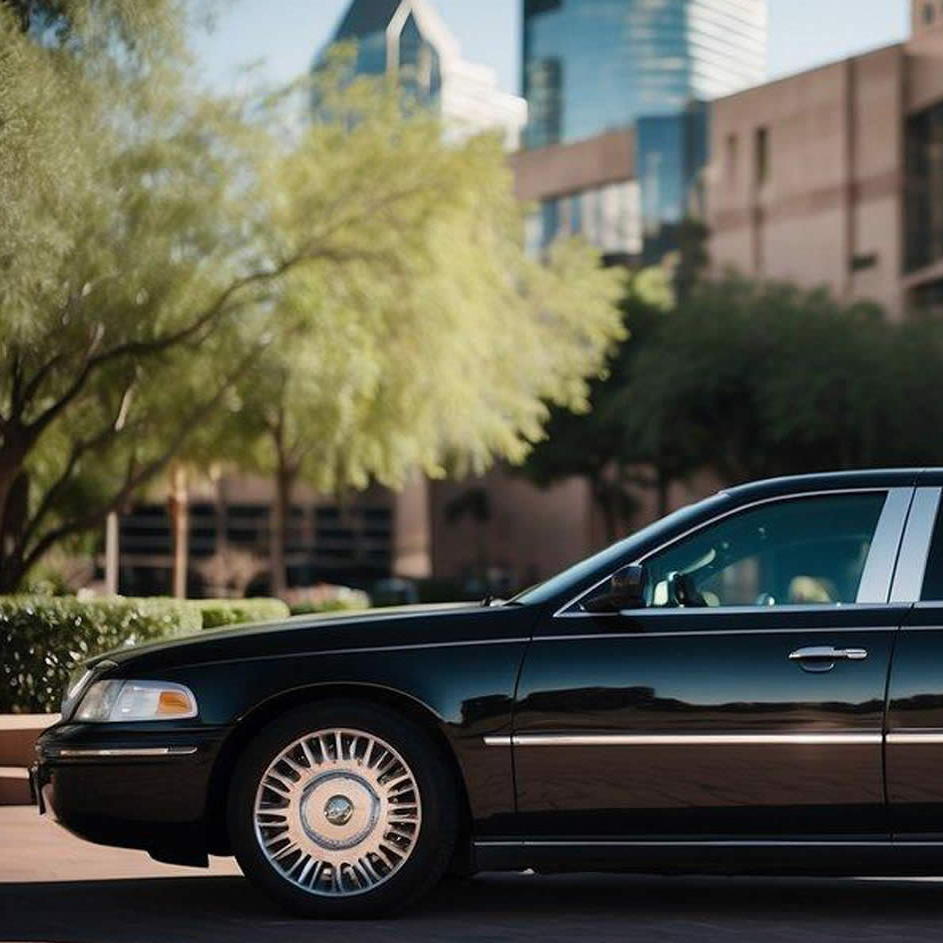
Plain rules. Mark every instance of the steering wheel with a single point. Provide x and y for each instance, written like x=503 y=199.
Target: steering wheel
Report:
x=683 y=593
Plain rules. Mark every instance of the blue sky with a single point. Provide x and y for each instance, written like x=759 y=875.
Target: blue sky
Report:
x=284 y=34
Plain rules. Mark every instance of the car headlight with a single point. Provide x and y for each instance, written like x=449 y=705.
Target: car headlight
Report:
x=116 y=701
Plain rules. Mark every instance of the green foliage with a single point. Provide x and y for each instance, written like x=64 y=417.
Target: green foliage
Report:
x=43 y=639
x=768 y=379
x=599 y=444
x=222 y=612
x=751 y=380
x=306 y=607
x=199 y=277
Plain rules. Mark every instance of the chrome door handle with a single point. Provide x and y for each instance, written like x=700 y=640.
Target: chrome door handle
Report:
x=823 y=657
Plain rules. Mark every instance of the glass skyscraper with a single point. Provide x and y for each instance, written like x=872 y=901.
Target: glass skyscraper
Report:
x=407 y=39
x=593 y=65
x=388 y=38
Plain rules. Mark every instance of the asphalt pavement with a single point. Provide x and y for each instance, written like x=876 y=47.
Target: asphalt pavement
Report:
x=57 y=889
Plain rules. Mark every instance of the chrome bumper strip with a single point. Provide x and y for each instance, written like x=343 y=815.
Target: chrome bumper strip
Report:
x=77 y=753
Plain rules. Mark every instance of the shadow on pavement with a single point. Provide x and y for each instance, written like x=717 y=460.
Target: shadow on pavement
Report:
x=490 y=907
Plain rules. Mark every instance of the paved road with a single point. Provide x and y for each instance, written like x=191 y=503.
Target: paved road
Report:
x=56 y=888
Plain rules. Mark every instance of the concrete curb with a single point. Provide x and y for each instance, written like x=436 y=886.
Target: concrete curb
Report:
x=18 y=734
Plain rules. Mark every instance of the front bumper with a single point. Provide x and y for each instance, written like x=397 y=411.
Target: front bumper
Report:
x=141 y=788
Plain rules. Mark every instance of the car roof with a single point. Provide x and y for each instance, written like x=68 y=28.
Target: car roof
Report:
x=831 y=481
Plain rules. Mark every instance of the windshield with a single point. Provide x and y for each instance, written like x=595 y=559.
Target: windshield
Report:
x=612 y=556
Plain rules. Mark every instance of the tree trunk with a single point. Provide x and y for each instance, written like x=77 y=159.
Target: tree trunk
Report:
x=220 y=533
x=284 y=483
x=13 y=516
x=12 y=511
x=180 y=524
x=602 y=498
x=112 y=553
x=663 y=485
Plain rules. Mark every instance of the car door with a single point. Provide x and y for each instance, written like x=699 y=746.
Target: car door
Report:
x=750 y=707
x=914 y=750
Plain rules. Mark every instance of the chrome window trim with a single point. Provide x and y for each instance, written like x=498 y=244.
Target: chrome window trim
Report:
x=894 y=512
x=915 y=546
x=873 y=738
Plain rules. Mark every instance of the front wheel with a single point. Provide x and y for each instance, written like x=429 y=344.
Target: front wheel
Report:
x=343 y=809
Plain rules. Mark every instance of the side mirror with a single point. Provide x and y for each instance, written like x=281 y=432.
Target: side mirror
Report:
x=626 y=591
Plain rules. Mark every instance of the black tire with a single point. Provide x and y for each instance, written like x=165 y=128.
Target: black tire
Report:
x=433 y=846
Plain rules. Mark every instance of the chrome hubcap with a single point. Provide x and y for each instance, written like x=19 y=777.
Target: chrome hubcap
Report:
x=337 y=812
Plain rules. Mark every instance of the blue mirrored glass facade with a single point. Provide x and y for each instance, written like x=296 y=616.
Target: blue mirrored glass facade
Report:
x=671 y=153
x=593 y=65
x=387 y=41
x=607 y=216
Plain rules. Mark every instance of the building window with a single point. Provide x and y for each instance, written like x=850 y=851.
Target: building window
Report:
x=762 y=155
x=731 y=159
x=928 y=13
x=863 y=261
x=924 y=188
x=928 y=298
x=576 y=213
x=550 y=220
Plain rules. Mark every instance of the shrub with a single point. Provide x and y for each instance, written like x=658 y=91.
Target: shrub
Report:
x=221 y=612
x=326 y=598
x=308 y=607
x=43 y=638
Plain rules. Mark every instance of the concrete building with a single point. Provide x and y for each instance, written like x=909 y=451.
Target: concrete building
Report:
x=589 y=188
x=408 y=39
x=834 y=176
x=595 y=70
x=591 y=66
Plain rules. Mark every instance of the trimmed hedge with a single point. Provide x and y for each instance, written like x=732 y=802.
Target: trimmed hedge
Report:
x=43 y=639
x=221 y=612
x=307 y=607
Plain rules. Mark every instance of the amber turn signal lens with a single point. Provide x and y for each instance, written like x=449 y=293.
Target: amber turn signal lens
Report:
x=173 y=702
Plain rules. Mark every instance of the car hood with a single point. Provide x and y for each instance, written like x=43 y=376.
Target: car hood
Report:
x=397 y=626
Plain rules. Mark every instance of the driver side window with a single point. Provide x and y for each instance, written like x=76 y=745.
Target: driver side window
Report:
x=792 y=552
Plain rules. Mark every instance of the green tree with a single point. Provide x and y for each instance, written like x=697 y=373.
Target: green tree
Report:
x=439 y=352
x=751 y=380
x=766 y=379
x=160 y=245
x=600 y=444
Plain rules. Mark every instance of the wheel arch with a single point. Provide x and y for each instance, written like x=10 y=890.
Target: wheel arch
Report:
x=265 y=712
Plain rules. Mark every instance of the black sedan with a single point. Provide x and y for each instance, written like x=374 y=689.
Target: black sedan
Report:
x=753 y=684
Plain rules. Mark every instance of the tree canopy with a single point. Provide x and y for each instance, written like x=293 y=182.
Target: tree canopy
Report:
x=749 y=380
x=350 y=290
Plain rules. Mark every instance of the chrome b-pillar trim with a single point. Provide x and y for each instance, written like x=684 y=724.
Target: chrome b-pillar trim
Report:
x=875 y=585
x=915 y=546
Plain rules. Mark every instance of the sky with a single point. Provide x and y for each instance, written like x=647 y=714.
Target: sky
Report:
x=282 y=36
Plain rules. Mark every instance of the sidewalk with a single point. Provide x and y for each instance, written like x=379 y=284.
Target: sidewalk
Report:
x=34 y=848
x=54 y=887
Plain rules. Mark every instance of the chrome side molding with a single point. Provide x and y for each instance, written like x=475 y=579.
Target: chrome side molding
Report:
x=696 y=739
